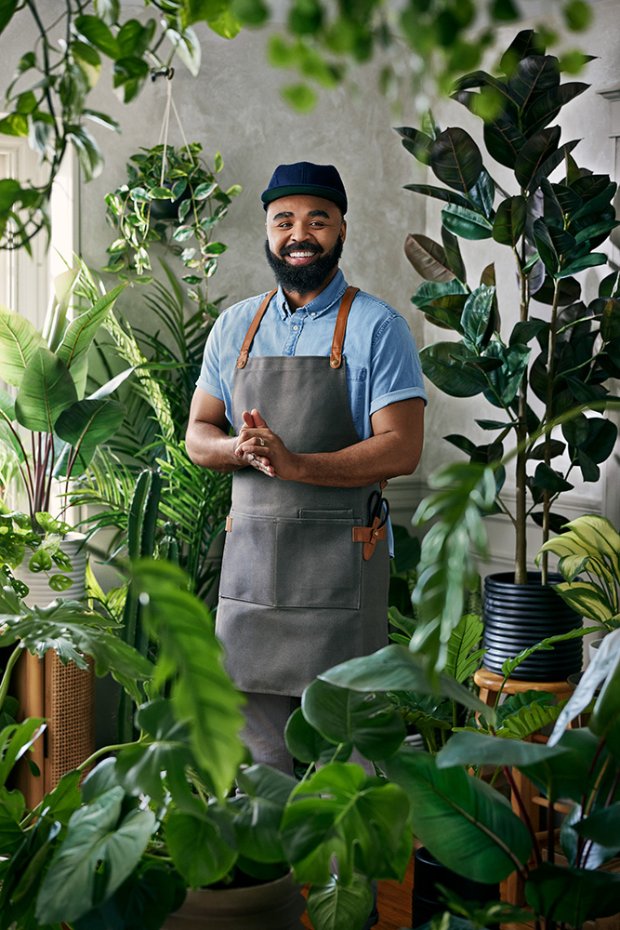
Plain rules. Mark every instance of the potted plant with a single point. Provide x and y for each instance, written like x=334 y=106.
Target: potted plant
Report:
x=171 y=196
x=560 y=352
x=158 y=813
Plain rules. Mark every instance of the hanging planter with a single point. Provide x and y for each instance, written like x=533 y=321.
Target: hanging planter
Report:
x=517 y=616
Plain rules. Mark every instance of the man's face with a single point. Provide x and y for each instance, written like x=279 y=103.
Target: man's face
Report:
x=304 y=241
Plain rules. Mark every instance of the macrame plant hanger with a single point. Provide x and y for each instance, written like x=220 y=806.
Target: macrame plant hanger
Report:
x=168 y=73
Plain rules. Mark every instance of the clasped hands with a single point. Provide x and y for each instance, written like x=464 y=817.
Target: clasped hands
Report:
x=258 y=446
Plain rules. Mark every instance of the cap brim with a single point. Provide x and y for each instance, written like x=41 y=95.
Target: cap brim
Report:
x=314 y=190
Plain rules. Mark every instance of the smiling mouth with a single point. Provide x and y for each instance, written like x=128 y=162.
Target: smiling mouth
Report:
x=300 y=255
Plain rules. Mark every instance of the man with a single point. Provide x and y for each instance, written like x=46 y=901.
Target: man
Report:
x=324 y=408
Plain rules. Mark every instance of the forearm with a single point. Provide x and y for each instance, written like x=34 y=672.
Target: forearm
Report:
x=211 y=447
x=367 y=462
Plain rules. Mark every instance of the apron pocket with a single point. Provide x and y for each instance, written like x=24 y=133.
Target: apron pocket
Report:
x=248 y=562
x=317 y=563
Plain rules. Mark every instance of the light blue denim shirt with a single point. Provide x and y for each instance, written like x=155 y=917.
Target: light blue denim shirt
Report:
x=381 y=356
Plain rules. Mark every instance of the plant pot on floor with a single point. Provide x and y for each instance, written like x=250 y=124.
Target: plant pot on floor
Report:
x=426 y=898
x=517 y=616
x=62 y=694
x=277 y=905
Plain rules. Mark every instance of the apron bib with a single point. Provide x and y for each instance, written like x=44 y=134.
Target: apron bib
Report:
x=296 y=595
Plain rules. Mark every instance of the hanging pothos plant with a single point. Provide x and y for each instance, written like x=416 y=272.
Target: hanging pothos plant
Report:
x=172 y=197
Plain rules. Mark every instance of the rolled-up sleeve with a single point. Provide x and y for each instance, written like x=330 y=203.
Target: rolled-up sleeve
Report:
x=396 y=373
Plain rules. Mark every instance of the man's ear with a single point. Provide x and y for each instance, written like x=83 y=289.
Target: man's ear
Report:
x=343 y=230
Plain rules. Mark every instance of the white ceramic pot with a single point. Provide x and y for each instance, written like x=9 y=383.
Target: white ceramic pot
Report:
x=74 y=544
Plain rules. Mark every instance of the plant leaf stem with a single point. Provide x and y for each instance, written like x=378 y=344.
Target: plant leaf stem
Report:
x=548 y=415
x=522 y=438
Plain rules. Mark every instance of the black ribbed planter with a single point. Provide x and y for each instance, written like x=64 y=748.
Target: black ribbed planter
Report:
x=428 y=873
x=517 y=616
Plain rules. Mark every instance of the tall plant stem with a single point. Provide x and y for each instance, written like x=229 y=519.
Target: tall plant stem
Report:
x=521 y=436
x=548 y=416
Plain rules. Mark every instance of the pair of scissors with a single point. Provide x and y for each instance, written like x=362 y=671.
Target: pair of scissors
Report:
x=378 y=509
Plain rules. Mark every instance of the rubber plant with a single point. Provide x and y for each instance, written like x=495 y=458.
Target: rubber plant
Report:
x=563 y=347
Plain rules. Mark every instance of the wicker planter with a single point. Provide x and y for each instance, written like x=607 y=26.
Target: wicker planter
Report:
x=276 y=905
x=63 y=694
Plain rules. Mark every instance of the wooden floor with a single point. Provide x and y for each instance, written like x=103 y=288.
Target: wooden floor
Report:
x=394 y=902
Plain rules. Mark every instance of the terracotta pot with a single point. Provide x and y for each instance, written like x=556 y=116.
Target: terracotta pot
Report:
x=276 y=905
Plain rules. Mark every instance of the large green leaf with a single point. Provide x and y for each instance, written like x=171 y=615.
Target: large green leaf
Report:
x=477 y=317
x=466 y=223
x=340 y=812
x=600 y=669
x=456 y=159
x=444 y=363
x=546 y=106
x=334 y=905
x=80 y=333
x=572 y=895
x=575 y=773
x=258 y=811
x=73 y=633
x=603 y=827
x=19 y=340
x=534 y=154
x=464 y=822
x=428 y=258
x=15 y=741
x=438 y=193
x=535 y=75
x=468 y=748
x=46 y=390
x=605 y=719
x=369 y=721
x=306 y=744
x=463 y=655
x=85 y=426
x=192 y=657
x=509 y=220
x=396 y=668
x=199 y=847
x=159 y=764
x=99 y=834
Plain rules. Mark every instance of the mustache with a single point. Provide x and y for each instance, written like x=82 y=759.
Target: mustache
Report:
x=301 y=247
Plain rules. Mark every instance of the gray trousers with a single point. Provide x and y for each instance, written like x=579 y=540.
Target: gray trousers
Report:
x=263 y=734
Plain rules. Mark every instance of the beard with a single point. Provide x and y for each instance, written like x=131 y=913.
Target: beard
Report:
x=305 y=278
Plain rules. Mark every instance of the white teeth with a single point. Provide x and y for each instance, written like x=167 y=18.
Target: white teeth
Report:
x=301 y=254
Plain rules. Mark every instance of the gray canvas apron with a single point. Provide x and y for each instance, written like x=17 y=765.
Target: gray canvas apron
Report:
x=296 y=595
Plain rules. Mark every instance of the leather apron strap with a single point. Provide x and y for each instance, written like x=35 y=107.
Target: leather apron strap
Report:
x=335 y=357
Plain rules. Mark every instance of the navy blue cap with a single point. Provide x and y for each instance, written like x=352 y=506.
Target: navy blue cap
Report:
x=305 y=178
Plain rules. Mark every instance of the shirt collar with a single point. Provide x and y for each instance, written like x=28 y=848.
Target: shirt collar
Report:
x=322 y=303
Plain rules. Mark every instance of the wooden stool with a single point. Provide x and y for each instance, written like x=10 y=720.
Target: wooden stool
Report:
x=490 y=685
